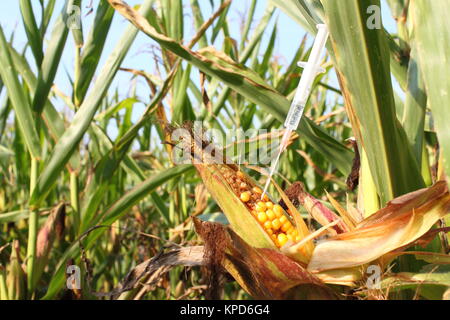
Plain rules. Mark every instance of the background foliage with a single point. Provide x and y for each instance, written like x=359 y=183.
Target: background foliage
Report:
x=96 y=186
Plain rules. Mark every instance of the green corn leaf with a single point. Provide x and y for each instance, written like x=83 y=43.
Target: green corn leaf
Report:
x=124 y=104
x=4 y=113
x=430 y=283
x=298 y=13
x=32 y=30
x=308 y=14
x=432 y=38
x=182 y=109
x=399 y=62
x=93 y=49
x=107 y=218
x=176 y=19
x=161 y=207
x=50 y=115
x=19 y=100
x=248 y=23
x=249 y=85
x=415 y=106
x=199 y=20
x=48 y=12
x=221 y=24
x=52 y=57
x=269 y=51
x=257 y=35
x=14 y=216
x=252 y=44
x=113 y=158
x=72 y=136
x=368 y=91
x=104 y=169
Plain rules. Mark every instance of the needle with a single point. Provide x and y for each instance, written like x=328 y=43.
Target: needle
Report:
x=311 y=68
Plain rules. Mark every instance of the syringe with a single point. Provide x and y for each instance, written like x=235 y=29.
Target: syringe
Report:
x=311 y=68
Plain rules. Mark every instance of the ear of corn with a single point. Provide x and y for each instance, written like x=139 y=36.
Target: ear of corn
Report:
x=215 y=178
x=262 y=223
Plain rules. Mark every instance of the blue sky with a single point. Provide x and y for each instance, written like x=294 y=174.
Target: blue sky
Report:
x=139 y=57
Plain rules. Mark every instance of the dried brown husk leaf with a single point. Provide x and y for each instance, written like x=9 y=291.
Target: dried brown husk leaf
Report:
x=321 y=213
x=401 y=222
x=53 y=228
x=16 y=280
x=261 y=272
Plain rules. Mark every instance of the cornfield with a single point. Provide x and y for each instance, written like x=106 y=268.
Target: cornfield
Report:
x=96 y=204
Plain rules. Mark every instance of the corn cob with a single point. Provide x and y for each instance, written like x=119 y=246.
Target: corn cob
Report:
x=271 y=216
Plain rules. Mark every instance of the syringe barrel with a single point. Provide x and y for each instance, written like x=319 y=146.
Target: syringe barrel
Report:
x=307 y=79
x=294 y=116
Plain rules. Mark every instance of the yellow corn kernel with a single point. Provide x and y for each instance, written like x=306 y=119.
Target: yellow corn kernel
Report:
x=291 y=229
x=257 y=190
x=276 y=224
x=275 y=240
x=245 y=196
x=268 y=225
x=240 y=174
x=269 y=231
x=283 y=219
x=269 y=204
x=278 y=210
x=262 y=217
x=285 y=227
x=282 y=239
x=261 y=206
x=270 y=214
x=297 y=238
